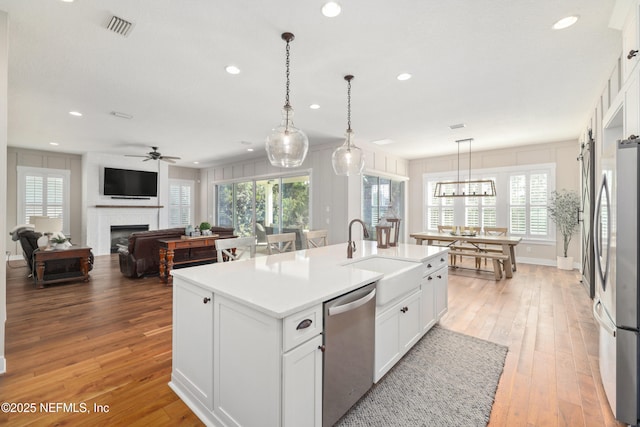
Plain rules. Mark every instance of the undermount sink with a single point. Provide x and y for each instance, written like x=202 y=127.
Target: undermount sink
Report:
x=399 y=276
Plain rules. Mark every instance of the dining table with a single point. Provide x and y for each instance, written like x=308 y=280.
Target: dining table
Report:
x=481 y=242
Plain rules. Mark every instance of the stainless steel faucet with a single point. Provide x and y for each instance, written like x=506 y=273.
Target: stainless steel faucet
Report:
x=351 y=245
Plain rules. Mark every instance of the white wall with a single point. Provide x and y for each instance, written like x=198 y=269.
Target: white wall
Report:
x=4 y=59
x=96 y=220
x=563 y=154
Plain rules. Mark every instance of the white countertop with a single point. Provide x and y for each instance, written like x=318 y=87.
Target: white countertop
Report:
x=283 y=284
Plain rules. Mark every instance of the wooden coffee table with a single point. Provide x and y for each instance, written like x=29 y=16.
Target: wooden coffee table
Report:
x=41 y=257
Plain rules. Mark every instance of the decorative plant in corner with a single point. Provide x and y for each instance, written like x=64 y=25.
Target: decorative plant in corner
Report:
x=563 y=210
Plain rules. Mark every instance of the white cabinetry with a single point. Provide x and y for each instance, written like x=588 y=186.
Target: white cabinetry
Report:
x=236 y=366
x=441 y=279
x=192 y=368
x=632 y=106
x=434 y=291
x=397 y=330
x=630 y=42
x=302 y=393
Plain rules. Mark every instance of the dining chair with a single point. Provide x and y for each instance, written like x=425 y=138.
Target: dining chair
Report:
x=242 y=246
x=279 y=243
x=446 y=229
x=494 y=231
x=316 y=238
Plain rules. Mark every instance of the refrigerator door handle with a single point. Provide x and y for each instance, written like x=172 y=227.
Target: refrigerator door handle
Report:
x=603 y=318
x=602 y=254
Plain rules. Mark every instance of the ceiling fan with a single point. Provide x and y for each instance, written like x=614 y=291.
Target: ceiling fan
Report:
x=155 y=155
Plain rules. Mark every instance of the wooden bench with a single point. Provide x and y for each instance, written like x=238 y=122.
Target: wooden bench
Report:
x=497 y=259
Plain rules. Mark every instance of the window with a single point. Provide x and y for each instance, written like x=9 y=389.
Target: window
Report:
x=520 y=203
x=44 y=192
x=180 y=202
x=381 y=197
x=280 y=204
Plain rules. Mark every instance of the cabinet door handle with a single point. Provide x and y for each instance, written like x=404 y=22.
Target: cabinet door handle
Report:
x=206 y=300
x=304 y=324
x=632 y=53
x=428 y=265
x=439 y=276
x=321 y=348
x=429 y=278
x=441 y=259
x=404 y=309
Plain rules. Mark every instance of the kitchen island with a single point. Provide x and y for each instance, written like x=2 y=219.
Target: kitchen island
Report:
x=247 y=335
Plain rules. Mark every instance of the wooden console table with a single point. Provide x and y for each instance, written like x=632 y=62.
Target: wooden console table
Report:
x=41 y=257
x=169 y=246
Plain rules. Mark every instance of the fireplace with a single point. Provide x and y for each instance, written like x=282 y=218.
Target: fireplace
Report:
x=120 y=235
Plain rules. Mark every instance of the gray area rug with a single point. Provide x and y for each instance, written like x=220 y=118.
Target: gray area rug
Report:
x=446 y=379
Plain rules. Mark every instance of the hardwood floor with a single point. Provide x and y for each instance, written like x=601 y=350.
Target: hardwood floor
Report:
x=108 y=343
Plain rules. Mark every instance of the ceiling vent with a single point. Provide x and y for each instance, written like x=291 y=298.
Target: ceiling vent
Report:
x=120 y=26
x=457 y=126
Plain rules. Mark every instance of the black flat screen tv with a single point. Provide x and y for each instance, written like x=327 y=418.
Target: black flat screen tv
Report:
x=130 y=183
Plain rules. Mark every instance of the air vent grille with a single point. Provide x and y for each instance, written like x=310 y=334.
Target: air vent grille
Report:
x=457 y=126
x=120 y=26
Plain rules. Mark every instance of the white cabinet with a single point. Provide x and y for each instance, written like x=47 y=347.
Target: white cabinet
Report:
x=632 y=106
x=192 y=368
x=398 y=328
x=432 y=288
x=302 y=391
x=440 y=284
x=630 y=43
x=235 y=366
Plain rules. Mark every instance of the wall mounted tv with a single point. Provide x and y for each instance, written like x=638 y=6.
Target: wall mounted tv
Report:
x=130 y=183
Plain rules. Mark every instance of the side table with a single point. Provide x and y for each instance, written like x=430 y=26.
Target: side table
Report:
x=41 y=257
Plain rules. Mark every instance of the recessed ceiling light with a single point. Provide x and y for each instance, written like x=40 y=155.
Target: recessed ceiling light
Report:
x=386 y=141
x=314 y=106
x=565 y=22
x=249 y=149
x=75 y=113
x=67 y=1
x=196 y=163
x=232 y=69
x=54 y=143
x=404 y=76
x=331 y=9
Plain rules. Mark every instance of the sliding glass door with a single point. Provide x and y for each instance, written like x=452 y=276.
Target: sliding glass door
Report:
x=267 y=206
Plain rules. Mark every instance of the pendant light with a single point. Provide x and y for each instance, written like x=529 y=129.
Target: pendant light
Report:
x=468 y=188
x=287 y=145
x=348 y=159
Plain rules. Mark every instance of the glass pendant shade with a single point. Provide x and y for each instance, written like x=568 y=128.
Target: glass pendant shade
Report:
x=348 y=159
x=287 y=145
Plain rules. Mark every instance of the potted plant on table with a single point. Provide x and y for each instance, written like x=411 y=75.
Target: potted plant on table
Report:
x=563 y=211
x=205 y=228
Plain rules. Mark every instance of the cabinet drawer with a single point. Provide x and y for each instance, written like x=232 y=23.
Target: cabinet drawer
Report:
x=434 y=263
x=302 y=326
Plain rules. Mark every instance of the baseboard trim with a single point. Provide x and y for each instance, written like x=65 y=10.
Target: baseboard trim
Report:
x=543 y=261
x=3 y=365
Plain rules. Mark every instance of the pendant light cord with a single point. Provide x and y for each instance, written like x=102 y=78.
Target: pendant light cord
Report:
x=286 y=101
x=349 y=105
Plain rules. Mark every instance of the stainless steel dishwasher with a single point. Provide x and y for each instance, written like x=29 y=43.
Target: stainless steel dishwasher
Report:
x=349 y=345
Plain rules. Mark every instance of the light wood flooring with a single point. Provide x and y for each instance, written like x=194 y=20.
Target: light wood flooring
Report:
x=108 y=343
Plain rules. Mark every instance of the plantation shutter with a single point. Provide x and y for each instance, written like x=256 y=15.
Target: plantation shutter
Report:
x=180 y=203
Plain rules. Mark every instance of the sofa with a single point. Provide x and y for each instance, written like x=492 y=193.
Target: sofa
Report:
x=142 y=255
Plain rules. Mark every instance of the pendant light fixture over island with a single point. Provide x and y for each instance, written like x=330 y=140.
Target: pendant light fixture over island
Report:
x=348 y=159
x=287 y=145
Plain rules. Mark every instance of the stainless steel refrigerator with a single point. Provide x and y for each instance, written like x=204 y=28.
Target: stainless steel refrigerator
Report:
x=616 y=303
